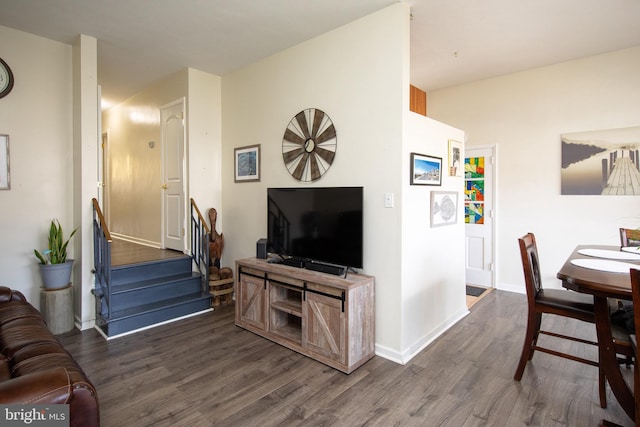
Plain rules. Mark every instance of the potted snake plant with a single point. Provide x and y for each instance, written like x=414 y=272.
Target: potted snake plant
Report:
x=55 y=268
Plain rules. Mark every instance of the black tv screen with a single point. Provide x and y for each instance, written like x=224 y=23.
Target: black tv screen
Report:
x=316 y=223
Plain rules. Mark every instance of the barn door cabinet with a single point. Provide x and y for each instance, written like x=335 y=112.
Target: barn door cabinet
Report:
x=325 y=317
x=251 y=297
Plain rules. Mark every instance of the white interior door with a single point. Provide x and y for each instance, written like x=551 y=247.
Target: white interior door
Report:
x=479 y=216
x=173 y=193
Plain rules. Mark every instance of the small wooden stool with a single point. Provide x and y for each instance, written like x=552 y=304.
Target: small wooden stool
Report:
x=221 y=290
x=56 y=305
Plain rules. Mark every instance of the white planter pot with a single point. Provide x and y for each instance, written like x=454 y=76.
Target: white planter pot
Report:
x=56 y=276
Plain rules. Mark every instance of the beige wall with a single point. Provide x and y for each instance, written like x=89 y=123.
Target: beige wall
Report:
x=433 y=263
x=524 y=114
x=135 y=169
x=85 y=176
x=358 y=74
x=53 y=154
x=135 y=177
x=355 y=75
x=38 y=116
x=204 y=138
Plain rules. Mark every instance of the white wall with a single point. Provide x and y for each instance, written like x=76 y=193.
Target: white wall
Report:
x=49 y=147
x=433 y=263
x=38 y=116
x=524 y=114
x=85 y=176
x=135 y=168
x=358 y=74
x=204 y=135
x=355 y=75
x=135 y=176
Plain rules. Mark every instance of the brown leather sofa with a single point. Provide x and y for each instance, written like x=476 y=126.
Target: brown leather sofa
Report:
x=34 y=367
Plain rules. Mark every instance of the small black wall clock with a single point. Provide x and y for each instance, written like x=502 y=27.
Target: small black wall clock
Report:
x=6 y=79
x=309 y=145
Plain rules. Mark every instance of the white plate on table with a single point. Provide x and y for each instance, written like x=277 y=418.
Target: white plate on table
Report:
x=605 y=265
x=609 y=254
x=632 y=249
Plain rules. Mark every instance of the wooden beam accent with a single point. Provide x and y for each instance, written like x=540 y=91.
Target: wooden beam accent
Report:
x=417 y=100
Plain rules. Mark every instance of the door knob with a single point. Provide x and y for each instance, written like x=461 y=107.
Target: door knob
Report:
x=164 y=186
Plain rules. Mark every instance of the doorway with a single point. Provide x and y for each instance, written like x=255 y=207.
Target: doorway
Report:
x=173 y=168
x=479 y=210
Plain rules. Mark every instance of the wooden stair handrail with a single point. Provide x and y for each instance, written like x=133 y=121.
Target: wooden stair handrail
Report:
x=200 y=235
x=202 y=220
x=103 y=223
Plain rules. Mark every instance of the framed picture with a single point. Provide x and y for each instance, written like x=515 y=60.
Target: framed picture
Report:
x=599 y=162
x=444 y=208
x=455 y=158
x=247 y=163
x=5 y=176
x=425 y=170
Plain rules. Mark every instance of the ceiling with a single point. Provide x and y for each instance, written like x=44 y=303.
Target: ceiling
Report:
x=452 y=41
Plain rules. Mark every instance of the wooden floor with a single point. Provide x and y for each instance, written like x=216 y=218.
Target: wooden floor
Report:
x=471 y=300
x=205 y=371
x=124 y=253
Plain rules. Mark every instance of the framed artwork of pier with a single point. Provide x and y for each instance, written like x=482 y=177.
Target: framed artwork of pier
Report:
x=601 y=162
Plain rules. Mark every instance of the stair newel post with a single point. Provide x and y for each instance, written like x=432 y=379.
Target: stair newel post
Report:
x=102 y=262
x=200 y=244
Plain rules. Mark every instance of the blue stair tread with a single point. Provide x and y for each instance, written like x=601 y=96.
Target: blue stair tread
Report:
x=156 y=306
x=135 y=284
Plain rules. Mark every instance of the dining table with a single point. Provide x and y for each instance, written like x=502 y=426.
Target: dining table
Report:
x=603 y=271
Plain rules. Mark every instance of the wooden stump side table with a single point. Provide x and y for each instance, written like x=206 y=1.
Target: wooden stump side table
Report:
x=56 y=306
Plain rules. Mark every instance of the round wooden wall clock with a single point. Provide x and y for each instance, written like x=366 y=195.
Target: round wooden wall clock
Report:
x=309 y=145
x=6 y=79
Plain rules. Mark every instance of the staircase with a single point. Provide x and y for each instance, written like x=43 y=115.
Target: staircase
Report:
x=141 y=290
x=149 y=293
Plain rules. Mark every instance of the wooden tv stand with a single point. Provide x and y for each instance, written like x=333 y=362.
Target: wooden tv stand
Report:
x=328 y=318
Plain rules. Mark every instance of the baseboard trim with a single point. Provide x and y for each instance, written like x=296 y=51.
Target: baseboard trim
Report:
x=518 y=289
x=84 y=325
x=408 y=354
x=186 y=316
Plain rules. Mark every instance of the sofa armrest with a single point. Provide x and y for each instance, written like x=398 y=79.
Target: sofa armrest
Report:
x=8 y=294
x=49 y=386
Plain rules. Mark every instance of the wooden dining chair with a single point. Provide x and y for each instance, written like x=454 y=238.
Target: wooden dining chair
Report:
x=551 y=301
x=635 y=297
x=635 y=290
x=629 y=237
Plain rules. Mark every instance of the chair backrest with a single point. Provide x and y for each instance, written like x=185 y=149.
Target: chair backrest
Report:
x=629 y=237
x=530 y=266
x=635 y=291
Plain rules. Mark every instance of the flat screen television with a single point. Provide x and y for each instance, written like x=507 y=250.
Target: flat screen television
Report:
x=321 y=224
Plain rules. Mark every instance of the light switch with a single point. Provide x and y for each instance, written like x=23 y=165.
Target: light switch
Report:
x=388 y=200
